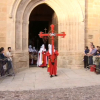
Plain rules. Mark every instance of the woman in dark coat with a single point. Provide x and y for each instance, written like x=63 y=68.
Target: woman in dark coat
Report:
x=3 y=61
x=86 y=57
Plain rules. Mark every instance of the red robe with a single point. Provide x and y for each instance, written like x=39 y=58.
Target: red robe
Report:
x=49 y=64
x=52 y=68
x=44 y=59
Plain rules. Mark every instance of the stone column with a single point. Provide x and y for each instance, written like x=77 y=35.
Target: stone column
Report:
x=71 y=53
x=10 y=36
x=25 y=36
x=18 y=35
x=21 y=56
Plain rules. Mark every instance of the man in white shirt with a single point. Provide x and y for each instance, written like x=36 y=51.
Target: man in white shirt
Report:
x=9 y=54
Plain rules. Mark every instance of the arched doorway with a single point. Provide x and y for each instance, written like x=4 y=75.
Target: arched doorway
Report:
x=41 y=17
x=70 y=20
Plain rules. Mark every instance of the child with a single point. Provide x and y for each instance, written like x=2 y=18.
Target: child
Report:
x=9 y=59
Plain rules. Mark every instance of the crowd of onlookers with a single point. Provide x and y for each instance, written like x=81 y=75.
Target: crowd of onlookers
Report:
x=92 y=57
x=5 y=62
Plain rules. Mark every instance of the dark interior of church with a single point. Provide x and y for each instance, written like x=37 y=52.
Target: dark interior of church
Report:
x=40 y=20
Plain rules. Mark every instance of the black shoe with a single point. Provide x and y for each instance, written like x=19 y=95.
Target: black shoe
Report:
x=56 y=75
x=9 y=75
x=51 y=76
x=97 y=72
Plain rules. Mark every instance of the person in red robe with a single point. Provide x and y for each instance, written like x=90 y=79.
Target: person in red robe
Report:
x=52 y=67
x=42 y=62
x=49 y=52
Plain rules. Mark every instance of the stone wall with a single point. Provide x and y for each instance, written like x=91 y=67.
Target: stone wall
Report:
x=20 y=61
x=3 y=22
x=93 y=22
x=70 y=16
x=70 y=60
x=55 y=22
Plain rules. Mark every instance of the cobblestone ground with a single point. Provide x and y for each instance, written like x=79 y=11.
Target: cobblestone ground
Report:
x=81 y=93
x=36 y=84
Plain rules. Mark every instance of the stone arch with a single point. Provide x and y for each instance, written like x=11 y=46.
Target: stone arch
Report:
x=70 y=20
x=22 y=8
x=22 y=17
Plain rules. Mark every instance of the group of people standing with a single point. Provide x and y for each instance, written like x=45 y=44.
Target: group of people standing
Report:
x=32 y=55
x=5 y=61
x=45 y=59
x=91 y=55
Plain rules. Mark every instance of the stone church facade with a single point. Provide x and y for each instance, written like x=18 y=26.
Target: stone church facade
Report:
x=80 y=19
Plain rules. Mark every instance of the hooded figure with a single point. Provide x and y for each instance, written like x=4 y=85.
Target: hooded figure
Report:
x=49 y=53
x=50 y=48
x=42 y=58
x=39 y=61
x=43 y=47
x=52 y=66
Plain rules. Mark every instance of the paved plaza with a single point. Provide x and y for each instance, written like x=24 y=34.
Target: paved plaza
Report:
x=38 y=78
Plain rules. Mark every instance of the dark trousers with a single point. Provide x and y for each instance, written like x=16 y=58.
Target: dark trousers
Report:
x=1 y=69
x=90 y=60
x=9 y=66
x=2 y=72
x=85 y=61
